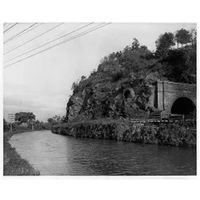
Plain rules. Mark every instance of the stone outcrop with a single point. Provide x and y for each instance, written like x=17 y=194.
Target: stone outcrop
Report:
x=74 y=106
x=106 y=99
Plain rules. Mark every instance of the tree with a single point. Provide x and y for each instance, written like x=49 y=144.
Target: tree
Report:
x=134 y=60
x=24 y=117
x=83 y=78
x=183 y=37
x=50 y=120
x=164 y=43
x=135 y=44
x=193 y=37
x=56 y=119
x=75 y=87
x=180 y=65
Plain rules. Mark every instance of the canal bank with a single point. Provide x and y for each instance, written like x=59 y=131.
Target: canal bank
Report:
x=179 y=133
x=13 y=163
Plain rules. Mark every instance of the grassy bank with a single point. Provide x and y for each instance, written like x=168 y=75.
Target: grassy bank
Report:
x=173 y=134
x=13 y=163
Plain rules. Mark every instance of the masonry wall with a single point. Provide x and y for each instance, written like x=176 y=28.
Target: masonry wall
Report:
x=165 y=93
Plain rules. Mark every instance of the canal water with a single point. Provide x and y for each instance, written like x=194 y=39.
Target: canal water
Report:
x=54 y=154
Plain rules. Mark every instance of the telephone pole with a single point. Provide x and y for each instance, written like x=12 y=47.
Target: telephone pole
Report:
x=11 y=117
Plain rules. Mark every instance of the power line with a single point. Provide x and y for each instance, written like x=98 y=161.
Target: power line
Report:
x=21 y=32
x=51 y=41
x=72 y=38
x=10 y=27
x=26 y=42
x=5 y=24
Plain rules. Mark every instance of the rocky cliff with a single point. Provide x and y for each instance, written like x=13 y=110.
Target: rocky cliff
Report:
x=128 y=100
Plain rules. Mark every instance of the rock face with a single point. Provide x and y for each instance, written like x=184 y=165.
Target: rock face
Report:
x=103 y=100
x=74 y=106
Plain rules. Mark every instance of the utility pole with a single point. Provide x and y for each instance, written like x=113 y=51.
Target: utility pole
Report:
x=11 y=117
x=11 y=127
x=32 y=125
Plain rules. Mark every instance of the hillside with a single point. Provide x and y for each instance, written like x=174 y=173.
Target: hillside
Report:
x=120 y=85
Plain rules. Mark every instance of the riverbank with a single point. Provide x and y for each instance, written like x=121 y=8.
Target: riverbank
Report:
x=13 y=163
x=180 y=134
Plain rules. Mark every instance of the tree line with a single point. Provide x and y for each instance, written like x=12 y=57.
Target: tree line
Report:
x=27 y=120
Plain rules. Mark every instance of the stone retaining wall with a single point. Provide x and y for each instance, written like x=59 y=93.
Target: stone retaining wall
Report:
x=174 y=134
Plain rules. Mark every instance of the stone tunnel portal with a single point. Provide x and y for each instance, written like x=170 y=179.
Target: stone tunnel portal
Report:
x=185 y=107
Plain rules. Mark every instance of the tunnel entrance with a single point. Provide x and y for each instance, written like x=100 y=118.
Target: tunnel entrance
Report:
x=127 y=94
x=185 y=107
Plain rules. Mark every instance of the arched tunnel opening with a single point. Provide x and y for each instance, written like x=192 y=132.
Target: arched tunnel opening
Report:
x=127 y=94
x=185 y=107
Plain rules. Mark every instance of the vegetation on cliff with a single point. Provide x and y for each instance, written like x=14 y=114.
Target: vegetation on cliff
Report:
x=120 y=85
x=173 y=134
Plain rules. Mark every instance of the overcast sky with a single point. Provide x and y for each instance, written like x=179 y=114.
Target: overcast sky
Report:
x=42 y=83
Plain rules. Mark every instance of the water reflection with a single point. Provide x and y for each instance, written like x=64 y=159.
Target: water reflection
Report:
x=60 y=155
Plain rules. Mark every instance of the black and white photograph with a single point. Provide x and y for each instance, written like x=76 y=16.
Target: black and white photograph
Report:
x=99 y=99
